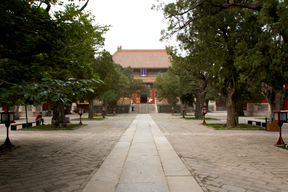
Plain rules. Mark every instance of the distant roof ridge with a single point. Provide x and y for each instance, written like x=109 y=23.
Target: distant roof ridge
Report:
x=139 y=50
x=142 y=50
x=120 y=48
x=142 y=58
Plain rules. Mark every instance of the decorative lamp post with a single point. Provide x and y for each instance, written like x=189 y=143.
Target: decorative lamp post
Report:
x=183 y=109
x=204 y=111
x=103 y=112
x=280 y=117
x=7 y=118
x=114 y=110
x=172 y=110
x=80 y=112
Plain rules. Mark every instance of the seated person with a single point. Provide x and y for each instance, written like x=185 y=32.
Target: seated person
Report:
x=39 y=118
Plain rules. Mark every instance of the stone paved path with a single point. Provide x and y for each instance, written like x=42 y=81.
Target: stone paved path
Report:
x=58 y=160
x=143 y=161
x=228 y=160
x=219 y=160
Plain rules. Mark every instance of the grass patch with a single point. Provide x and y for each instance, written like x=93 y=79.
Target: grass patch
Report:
x=85 y=119
x=111 y=115
x=282 y=147
x=268 y=119
x=182 y=115
x=242 y=127
x=206 y=118
x=48 y=127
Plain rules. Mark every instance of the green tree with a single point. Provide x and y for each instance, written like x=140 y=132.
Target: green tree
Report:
x=265 y=59
x=211 y=36
x=168 y=86
x=57 y=52
x=103 y=66
x=125 y=87
x=266 y=62
x=193 y=79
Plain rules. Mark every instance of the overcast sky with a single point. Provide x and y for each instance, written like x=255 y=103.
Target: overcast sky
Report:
x=133 y=24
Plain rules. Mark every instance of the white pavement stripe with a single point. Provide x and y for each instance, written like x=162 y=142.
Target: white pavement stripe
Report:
x=135 y=163
x=178 y=176
x=142 y=170
x=107 y=176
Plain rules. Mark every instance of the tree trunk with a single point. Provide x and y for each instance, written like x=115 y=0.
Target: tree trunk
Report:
x=200 y=98
x=62 y=117
x=279 y=100
x=69 y=109
x=55 y=117
x=49 y=113
x=90 y=113
x=275 y=99
x=232 y=116
x=207 y=104
x=58 y=116
x=111 y=106
x=16 y=110
x=240 y=110
x=106 y=109
x=17 y=116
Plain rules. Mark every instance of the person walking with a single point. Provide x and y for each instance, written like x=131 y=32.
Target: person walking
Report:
x=132 y=106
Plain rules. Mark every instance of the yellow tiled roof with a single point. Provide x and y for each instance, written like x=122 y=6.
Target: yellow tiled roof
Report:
x=147 y=59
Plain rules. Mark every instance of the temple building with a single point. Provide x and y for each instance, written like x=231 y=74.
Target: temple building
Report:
x=146 y=64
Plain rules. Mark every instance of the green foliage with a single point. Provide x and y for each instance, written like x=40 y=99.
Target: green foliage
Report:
x=241 y=44
x=84 y=119
x=229 y=46
x=56 y=91
x=168 y=86
x=103 y=67
x=125 y=86
x=41 y=53
x=48 y=127
x=241 y=127
x=206 y=118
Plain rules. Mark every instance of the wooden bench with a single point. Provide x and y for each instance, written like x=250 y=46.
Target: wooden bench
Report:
x=14 y=125
x=258 y=123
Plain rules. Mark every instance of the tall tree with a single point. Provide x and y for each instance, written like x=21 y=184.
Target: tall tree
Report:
x=193 y=79
x=103 y=66
x=266 y=62
x=268 y=52
x=54 y=52
x=168 y=86
x=214 y=34
x=125 y=87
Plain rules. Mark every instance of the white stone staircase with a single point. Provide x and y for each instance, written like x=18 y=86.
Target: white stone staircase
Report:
x=144 y=108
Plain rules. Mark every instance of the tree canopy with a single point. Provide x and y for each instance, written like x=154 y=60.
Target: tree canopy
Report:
x=39 y=49
x=47 y=56
x=241 y=45
x=125 y=87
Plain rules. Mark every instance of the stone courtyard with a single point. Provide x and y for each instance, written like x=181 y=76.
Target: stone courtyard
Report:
x=219 y=160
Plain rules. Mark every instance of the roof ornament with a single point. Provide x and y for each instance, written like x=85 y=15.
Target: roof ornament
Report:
x=119 y=48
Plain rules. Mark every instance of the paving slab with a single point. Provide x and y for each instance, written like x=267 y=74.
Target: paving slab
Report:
x=227 y=160
x=151 y=164
x=218 y=160
x=62 y=160
x=143 y=187
x=183 y=184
